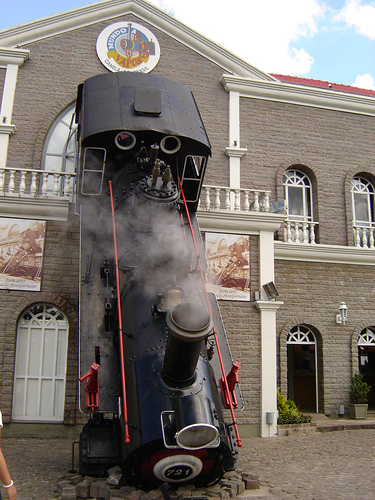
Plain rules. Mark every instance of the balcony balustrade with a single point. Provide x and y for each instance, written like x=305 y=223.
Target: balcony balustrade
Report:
x=57 y=188
x=297 y=231
x=364 y=236
x=29 y=183
x=225 y=198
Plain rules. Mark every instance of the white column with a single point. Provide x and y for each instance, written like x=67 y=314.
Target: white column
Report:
x=267 y=309
x=11 y=59
x=234 y=151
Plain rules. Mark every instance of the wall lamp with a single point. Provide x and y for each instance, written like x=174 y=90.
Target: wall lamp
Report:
x=342 y=315
x=270 y=290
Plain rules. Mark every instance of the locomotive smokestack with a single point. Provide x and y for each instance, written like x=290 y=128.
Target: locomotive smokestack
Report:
x=188 y=325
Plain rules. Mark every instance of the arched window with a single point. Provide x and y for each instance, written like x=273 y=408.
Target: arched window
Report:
x=300 y=227
x=363 y=202
x=60 y=147
x=298 y=195
x=40 y=366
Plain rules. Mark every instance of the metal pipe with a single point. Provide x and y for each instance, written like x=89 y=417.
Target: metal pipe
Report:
x=122 y=362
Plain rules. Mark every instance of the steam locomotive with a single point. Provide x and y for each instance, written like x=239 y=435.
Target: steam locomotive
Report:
x=156 y=372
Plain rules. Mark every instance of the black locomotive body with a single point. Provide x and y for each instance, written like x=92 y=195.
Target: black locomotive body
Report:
x=153 y=351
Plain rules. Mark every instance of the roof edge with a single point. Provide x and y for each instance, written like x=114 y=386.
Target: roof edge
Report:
x=300 y=94
x=83 y=16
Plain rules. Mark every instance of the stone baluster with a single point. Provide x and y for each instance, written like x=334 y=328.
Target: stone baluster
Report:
x=237 y=199
x=11 y=181
x=296 y=233
x=266 y=202
x=364 y=238
x=246 y=203
x=2 y=178
x=33 y=184
x=22 y=187
x=256 y=206
x=67 y=186
x=288 y=232
x=207 y=199
x=44 y=184
x=371 y=238
x=217 y=198
x=227 y=199
x=357 y=241
x=305 y=239
x=56 y=178
x=312 y=233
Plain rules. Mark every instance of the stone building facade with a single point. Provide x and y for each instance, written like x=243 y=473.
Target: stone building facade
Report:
x=273 y=138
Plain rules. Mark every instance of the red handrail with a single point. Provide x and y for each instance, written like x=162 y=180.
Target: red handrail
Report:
x=239 y=443
x=123 y=382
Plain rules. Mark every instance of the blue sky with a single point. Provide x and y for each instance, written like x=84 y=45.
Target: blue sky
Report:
x=331 y=40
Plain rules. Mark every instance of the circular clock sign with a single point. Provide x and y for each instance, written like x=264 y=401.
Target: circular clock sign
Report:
x=128 y=47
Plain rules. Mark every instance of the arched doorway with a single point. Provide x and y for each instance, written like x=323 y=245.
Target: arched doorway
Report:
x=366 y=360
x=302 y=368
x=40 y=365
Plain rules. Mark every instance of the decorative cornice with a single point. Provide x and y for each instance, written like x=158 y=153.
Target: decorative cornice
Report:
x=268 y=305
x=7 y=129
x=13 y=56
x=238 y=222
x=333 y=254
x=84 y=16
x=235 y=152
x=300 y=94
x=26 y=208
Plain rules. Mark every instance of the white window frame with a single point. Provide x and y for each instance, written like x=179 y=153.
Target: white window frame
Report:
x=296 y=179
x=362 y=190
x=60 y=148
x=40 y=365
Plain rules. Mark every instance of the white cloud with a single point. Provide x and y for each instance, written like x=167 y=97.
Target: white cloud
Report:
x=364 y=82
x=260 y=32
x=361 y=17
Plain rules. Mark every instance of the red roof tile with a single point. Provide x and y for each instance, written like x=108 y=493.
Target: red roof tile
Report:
x=324 y=85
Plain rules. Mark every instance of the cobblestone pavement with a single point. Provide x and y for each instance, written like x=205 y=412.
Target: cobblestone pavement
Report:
x=318 y=466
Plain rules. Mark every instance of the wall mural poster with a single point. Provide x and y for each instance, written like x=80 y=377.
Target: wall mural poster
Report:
x=21 y=254
x=228 y=260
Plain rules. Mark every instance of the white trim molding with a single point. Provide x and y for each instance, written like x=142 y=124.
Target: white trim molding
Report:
x=299 y=94
x=333 y=254
x=15 y=56
x=97 y=12
x=238 y=222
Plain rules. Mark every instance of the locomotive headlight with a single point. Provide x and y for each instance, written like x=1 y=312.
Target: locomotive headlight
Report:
x=196 y=436
x=170 y=144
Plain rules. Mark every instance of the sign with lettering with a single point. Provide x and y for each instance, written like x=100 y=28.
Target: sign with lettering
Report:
x=21 y=254
x=128 y=47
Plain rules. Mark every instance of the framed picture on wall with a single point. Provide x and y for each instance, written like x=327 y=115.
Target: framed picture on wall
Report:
x=21 y=254
x=228 y=261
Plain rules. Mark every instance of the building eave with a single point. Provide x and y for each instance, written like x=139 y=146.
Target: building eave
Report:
x=77 y=18
x=300 y=94
x=332 y=254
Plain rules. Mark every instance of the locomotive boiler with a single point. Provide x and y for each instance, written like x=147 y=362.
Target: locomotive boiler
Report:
x=156 y=372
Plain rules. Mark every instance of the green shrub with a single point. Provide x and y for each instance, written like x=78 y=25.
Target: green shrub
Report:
x=358 y=389
x=289 y=412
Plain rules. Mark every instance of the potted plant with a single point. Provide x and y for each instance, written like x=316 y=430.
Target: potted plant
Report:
x=358 y=397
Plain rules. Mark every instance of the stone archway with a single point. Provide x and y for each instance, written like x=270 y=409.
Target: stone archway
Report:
x=366 y=361
x=302 y=368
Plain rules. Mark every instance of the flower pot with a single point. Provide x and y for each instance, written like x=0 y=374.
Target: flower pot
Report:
x=358 y=411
